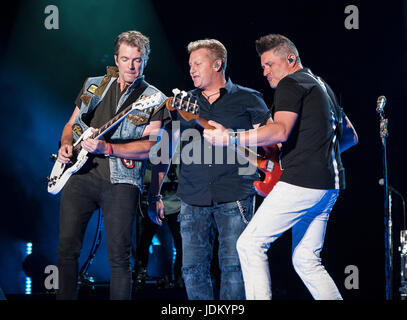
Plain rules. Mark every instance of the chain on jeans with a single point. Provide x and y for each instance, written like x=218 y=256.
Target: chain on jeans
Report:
x=242 y=210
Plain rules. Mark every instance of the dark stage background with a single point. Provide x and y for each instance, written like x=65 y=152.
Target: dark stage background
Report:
x=43 y=70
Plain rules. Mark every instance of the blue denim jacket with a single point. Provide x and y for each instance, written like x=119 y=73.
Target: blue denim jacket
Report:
x=126 y=130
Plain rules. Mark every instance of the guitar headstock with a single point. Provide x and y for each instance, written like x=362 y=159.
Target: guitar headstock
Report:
x=148 y=102
x=185 y=103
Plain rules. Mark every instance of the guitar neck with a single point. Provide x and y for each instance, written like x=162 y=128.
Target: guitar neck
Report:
x=244 y=151
x=119 y=117
x=189 y=111
x=111 y=123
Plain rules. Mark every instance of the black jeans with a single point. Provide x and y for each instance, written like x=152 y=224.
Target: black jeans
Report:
x=81 y=196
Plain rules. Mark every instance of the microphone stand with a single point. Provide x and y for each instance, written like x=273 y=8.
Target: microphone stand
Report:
x=403 y=264
x=402 y=249
x=388 y=243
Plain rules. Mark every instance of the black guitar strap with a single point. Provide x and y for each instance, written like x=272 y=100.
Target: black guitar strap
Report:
x=133 y=96
x=336 y=109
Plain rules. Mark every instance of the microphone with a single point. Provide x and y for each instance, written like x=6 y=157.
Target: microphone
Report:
x=381 y=102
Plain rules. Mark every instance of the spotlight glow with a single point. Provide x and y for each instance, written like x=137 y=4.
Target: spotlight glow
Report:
x=28 y=248
x=28 y=282
x=28 y=285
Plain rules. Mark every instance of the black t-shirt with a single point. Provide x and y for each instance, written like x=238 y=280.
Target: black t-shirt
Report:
x=309 y=157
x=209 y=181
x=98 y=164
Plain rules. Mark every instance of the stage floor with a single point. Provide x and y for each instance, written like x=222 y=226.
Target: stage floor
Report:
x=100 y=291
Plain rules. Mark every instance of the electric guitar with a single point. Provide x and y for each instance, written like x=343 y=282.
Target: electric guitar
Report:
x=61 y=172
x=268 y=164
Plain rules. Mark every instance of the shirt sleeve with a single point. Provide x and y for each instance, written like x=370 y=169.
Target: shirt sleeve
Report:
x=257 y=108
x=78 y=101
x=288 y=96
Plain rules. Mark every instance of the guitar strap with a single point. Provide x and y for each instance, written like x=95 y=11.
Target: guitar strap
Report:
x=339 y=116
x=135 y=95
x=336 y=109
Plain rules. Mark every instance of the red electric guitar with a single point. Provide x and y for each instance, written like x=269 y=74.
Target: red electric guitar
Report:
x=268 y=164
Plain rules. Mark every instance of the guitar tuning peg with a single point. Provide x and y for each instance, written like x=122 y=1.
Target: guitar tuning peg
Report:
x=176 y=92
x=183 y=95
x=188 y=103
x=195 y=107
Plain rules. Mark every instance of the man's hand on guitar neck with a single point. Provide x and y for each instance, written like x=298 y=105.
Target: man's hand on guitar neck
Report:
x=218 y=136
x=95 y=146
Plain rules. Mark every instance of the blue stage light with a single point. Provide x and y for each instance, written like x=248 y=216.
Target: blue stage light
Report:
x=28 y=248
x=28 y=283
x=154 y=242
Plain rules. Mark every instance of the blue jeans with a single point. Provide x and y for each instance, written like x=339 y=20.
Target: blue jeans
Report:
x=199 y=226
x=81 y=196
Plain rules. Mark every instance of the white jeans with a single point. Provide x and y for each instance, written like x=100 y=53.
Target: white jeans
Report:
x=304 y=210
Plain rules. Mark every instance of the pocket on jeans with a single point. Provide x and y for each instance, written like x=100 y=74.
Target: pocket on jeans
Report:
x=230 y=209
x=185 y=220
x=182 y=216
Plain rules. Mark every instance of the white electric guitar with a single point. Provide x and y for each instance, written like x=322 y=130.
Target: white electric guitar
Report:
x=61 y=172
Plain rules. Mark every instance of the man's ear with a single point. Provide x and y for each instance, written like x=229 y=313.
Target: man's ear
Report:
x=291 y=59
x=218 y=65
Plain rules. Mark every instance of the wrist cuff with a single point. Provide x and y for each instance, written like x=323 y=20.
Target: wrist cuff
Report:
x=109 y=150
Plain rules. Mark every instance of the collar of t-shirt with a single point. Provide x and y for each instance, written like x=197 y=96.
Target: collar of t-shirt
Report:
x=228 y=88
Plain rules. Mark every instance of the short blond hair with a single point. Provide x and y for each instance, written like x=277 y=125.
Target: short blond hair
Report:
x=217 y=49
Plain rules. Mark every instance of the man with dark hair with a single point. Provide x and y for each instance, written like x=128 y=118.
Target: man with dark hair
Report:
x=313 y=131
x=111 y=179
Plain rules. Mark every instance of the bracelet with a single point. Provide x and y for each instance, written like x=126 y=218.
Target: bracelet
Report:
x=109 y=150
x=155 y=198
x=233 y=138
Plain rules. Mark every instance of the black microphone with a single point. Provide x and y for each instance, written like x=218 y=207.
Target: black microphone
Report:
x=381 y=102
